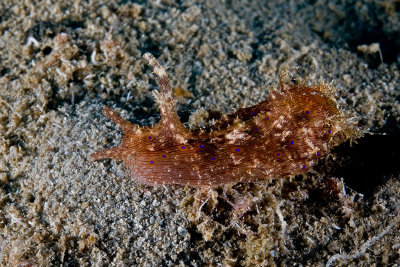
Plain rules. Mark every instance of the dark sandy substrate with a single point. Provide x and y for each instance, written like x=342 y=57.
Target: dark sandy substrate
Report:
x=61 y=62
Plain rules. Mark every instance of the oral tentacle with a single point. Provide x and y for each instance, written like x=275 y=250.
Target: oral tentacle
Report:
x=124 y=125
x=111 y=153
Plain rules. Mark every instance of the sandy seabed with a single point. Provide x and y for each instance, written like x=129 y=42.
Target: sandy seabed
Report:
x=60 y=62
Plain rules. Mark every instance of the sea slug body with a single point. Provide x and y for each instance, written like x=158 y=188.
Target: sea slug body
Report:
x=282 y=136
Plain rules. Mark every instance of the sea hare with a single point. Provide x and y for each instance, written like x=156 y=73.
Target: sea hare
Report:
x=284 y=135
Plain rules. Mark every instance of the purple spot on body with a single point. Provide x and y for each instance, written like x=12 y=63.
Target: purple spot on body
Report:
x=292 y=142
x=267 y=118
x=150 y=137
x=237 y=149
x=307 y=112
x=152 y=162
x=304 y=167
x=212 y=158
x=317 y=153
x=164 y=156
x=183 y=147
x=278 y=154
x=256 y=129
x=201 y=146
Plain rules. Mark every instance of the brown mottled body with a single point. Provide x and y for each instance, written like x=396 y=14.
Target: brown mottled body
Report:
x=282 y=136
